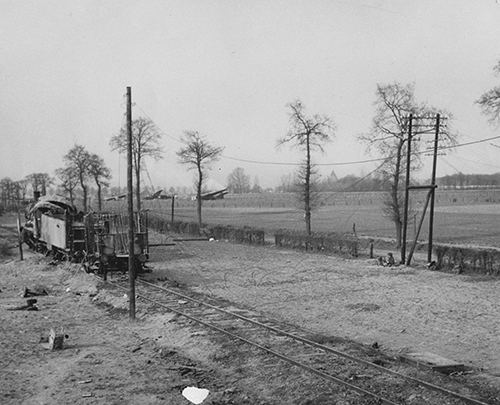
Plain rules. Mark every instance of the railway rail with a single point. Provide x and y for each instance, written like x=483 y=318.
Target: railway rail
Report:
x=383 y=385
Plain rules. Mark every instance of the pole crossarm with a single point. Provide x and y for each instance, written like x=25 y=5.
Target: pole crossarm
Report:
x=424 y=187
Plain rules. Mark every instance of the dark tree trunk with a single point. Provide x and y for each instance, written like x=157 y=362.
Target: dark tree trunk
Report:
x=84 y=189
x=138 y=186
x=198 y=194
x=99 y=197
x=396 y=214
x=307 y=188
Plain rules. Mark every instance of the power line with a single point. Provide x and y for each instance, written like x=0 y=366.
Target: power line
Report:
x=364 y=177
x=468 y=143
x=478 y=162
x=359 y=161
x=161 y=130
x=299 y=164
x=449 y=164
x=354 y=162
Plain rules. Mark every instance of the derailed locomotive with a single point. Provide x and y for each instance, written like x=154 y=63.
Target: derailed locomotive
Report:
x=97 y=240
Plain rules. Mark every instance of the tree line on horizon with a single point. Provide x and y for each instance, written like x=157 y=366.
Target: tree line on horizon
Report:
x=388 y=136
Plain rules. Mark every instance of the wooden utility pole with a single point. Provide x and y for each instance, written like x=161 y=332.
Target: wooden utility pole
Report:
x=172 y=211
x=19 y=236
x=433 y=183
x=407 y=191
x=430 y=199
x=130 y=205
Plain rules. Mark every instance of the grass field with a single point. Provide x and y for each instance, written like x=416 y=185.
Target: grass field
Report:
x=465 y=217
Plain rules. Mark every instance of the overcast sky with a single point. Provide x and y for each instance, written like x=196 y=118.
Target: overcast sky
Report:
x=228 y=68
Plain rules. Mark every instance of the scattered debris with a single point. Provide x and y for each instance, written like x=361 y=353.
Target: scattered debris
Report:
x=30 y=306
x=37 y=291
x=388 y=261
x=167 y=353
x=55 y=341
x=375 y=346
x=195 y=395
x=432 y=361
x=379 y=362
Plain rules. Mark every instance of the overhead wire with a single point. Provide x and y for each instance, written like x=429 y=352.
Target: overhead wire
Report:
x=346 y=163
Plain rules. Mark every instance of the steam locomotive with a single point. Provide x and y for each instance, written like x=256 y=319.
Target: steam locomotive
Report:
x=97 y=240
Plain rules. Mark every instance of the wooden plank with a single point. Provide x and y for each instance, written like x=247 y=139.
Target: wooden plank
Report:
x=432 y=361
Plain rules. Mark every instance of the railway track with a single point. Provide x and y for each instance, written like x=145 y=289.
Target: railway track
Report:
x=367 y=376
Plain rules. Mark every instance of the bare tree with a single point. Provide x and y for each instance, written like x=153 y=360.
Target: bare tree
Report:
x=39 y=182
x=101 y=174
x=307 y=133
x=145 y=143
x=287 y=183
x=8 y=193
x=490 y=101
x=389 y=137
x=238 y=181
x=198 y=154
x=78 y=159
x=23 y=188
x=68 y=178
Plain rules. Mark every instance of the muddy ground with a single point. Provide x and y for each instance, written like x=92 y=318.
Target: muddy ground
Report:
x=108 y=359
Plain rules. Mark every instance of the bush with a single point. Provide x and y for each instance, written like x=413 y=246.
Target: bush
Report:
x=461 y=259
x=318 y=242
x=241 y=235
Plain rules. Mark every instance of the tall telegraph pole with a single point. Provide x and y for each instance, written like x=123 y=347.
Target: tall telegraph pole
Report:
x=130 y=205
x=433 y=184
x=407 y=185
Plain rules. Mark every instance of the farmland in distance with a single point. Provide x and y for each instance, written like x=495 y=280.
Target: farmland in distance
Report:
x=470 y=217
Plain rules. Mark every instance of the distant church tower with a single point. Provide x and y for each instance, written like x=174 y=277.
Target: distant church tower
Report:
x=333 y=176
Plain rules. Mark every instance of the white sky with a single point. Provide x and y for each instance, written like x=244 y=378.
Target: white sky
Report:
x=228 y=69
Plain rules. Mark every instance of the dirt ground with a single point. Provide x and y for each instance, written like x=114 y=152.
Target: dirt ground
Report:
x=106 y=359
x=402 y=308
x=109 y=360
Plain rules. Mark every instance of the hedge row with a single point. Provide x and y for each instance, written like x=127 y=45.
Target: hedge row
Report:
x=461 y=259
x=318 y=242
x=241 y=235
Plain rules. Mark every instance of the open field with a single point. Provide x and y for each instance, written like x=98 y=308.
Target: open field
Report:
x=462 y=217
